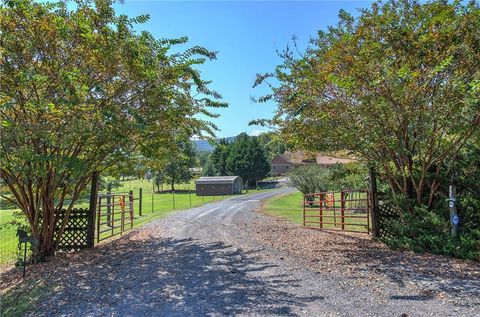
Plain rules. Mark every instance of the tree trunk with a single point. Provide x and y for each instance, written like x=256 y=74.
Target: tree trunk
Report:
x=44 y=249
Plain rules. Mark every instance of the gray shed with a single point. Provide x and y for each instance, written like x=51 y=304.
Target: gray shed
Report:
x=218 y=185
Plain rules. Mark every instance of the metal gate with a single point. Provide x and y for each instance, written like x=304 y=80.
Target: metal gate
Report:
x=346 y=210
x=114 y=215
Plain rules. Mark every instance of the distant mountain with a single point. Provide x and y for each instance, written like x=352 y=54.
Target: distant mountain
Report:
x=204 y=146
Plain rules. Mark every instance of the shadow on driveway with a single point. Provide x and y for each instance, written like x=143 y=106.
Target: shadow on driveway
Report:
x=168 y=277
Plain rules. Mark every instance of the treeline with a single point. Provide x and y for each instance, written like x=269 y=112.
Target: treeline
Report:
x=247 y=156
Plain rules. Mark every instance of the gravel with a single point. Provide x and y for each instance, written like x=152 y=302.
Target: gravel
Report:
x=227 y=258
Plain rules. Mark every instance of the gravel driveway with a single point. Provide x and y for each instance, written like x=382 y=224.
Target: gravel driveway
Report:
x=209 y=261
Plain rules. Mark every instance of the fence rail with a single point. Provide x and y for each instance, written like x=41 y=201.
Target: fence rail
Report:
x=347 y=210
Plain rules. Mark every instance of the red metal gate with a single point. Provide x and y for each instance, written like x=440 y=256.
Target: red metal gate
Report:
x=347 y=210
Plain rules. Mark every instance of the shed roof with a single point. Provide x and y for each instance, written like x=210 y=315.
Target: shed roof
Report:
x=217 y=179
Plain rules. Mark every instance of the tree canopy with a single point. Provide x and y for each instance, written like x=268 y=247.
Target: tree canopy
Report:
x=244 y=157
x=176 y=170
x=82 y=91
x=399 y=87
x=247 y=159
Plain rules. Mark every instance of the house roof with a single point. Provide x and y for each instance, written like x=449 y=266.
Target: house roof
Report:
x=217 y=179
x=281 y=159
x=301 y=157
x=328 y=160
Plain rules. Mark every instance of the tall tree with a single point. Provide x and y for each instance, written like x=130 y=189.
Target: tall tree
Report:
x=209 y=169
x=219 y=158
x=81 y=91
x=272 y=144
x=179 y=162
x=399 y=86
x=247 y=159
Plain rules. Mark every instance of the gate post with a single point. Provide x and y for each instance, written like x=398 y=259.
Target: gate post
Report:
x=304 y=210
x=372 y=182
x=92 y=209
x=109 y=206
x=320 y=197
x=130 y=205
x=342 y=208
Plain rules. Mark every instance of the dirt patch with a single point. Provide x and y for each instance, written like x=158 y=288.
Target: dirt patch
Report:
x=369 y=262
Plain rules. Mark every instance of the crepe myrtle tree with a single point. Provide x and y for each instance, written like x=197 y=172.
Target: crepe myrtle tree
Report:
x=80 y=92
x=398 y=86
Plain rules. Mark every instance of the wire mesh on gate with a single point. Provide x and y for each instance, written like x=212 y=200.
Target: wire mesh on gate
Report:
x=347 y=210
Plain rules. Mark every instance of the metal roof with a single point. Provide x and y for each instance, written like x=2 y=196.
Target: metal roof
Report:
x=217 y=179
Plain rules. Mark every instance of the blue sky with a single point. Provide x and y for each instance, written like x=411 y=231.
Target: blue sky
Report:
x=246 y=35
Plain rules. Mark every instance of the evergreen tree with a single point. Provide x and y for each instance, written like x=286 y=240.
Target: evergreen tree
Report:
x=219 y=159
x=209 y=169
x=247 y=159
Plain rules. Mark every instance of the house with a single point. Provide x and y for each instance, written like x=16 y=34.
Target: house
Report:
x=280 y=165
x=218 y=185
x=287 y=161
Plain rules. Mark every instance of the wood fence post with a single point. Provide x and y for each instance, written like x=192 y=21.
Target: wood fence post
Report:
x=173 y=199
x=109 y=207
x=130 y=199
x=320 y=198
x=190 y=195
x=304 y=210
x=92 y=209
x=342 y=209
x=372 y=180
x=140 y=196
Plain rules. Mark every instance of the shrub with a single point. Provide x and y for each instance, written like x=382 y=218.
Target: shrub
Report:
x=311 y=179
x=429 y=231
x=348 y=176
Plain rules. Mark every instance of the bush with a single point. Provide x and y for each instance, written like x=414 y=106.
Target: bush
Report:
x=426 y=230
x=314 y=178
x=348 y=176
x=310 y=179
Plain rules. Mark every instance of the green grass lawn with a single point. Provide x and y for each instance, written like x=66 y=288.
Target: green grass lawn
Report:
x=290 y=207
x=154 y=205
x=8 y=238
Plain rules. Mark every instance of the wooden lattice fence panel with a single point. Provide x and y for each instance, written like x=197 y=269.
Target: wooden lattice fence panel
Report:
x=387 y=212
x=76 y=234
